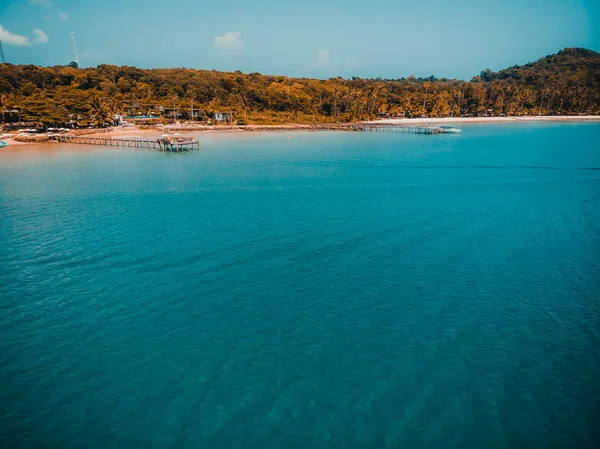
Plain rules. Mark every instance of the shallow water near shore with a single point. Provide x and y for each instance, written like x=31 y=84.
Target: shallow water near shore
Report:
x=304 y=289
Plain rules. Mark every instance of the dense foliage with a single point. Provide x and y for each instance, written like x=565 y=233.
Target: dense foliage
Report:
x=566 y=83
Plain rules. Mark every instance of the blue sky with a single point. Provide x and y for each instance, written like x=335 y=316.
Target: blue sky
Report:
x=317 y=38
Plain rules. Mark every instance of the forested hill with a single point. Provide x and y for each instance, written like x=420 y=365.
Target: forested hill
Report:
x=571 y=65
x=567 y=83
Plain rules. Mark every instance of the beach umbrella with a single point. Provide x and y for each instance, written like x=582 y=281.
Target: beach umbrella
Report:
x=177 y=134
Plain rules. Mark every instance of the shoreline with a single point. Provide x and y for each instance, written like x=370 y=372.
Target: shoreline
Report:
x=136 y=131
x=206 y=129
x=521 y=119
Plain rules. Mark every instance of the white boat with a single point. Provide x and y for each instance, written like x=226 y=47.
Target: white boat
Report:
x=449 y=129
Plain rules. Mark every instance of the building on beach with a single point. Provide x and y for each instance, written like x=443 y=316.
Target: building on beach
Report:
x=223 y=117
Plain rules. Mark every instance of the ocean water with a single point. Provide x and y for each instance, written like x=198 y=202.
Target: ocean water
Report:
x=304 y=290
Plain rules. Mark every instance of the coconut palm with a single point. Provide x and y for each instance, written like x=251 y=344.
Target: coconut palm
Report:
x=100 y=112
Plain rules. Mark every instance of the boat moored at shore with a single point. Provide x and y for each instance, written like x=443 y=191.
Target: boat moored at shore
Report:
x=449 y=129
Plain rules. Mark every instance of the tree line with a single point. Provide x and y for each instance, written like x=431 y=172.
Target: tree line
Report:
x=566 y=83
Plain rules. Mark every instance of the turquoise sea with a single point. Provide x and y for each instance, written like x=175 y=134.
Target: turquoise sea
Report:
x=304 y=290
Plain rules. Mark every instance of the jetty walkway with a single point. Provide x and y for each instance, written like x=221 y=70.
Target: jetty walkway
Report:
x=162 y=144
x=397 y=128
x=368 y=127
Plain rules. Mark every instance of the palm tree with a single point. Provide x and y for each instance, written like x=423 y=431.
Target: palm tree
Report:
x=100 y=111
x=4 y=105
x=174 y=100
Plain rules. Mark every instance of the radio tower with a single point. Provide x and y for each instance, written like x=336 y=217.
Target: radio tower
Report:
x=2 y=53
x=76 y=62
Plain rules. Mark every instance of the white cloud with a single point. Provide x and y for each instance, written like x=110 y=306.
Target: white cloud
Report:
x=13 y=39
x=53 y=15
x=95 y=57
x=232 y=40
x=351 y=63
x=40 y=37
x=323 y=56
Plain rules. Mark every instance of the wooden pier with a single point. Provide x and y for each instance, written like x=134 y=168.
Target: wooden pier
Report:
x=162 y=144
x=397 y=128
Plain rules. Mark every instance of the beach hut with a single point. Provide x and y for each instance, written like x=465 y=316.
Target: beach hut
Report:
x=226 y=117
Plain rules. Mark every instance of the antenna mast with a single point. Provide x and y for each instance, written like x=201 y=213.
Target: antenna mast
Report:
x=75 y=48
x=2 y=59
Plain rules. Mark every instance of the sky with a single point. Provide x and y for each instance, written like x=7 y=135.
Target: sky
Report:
x=312 y=38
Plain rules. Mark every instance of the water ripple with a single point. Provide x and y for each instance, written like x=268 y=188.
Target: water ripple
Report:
x=331 y=292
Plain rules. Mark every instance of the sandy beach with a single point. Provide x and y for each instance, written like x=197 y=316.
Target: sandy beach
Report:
x=134 y=131
x=12 y=142
x=458 y=120
x=170 y=129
